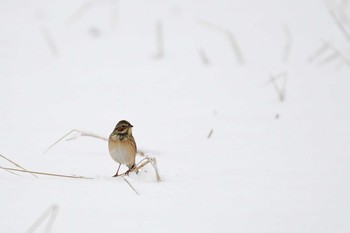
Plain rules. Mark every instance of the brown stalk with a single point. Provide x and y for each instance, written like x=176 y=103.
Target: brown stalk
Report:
x=45 y=173
x=17 y=165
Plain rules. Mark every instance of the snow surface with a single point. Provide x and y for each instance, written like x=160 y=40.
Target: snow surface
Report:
x=269 y=166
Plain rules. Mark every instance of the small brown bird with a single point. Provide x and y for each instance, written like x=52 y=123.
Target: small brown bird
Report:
x=122 y=145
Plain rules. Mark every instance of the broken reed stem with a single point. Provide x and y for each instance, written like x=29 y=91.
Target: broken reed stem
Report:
x=159 y=40
x=17 y=165
x=50 y=213
x=45 y=173
x=50 y=41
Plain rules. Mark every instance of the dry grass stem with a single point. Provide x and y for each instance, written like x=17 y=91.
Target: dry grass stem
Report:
x=280 y=89
x=80 y=11
x=80 y=133
x=50 y=41
x=45 y=173
x=229 y=35
x=210 y=133
x=330 y=57
x=141 y=164
x=144 y=162
x=16 y=164
x=288 y=45
x=235 y=47
x=50 y=214
x=155 y=167
x=203 y=57
x=159 y=40
x=338 y=16
x=343 y=57
x=115 y=13
x=328 y=53
x=132 y=187
x=321 y=50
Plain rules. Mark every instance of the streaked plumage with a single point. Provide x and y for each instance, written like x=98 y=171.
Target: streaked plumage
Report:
x=122 y=146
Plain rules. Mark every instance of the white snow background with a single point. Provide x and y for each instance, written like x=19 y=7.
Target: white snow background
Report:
x=269 y=165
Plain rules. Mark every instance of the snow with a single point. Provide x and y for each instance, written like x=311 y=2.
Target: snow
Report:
x=269 y=166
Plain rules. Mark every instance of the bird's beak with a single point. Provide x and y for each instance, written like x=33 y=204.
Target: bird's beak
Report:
x=131 y=125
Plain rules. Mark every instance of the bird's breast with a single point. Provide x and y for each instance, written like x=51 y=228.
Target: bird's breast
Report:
x=122 y=152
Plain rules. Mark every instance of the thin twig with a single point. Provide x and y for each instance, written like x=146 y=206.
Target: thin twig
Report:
x=50 y=213
x=45 y=173
x=16 y=164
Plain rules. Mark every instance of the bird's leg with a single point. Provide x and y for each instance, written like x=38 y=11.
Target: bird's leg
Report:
x=116 y=174
x=133 y=167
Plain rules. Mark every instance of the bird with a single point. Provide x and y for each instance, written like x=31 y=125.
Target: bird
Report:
x=122 y=146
